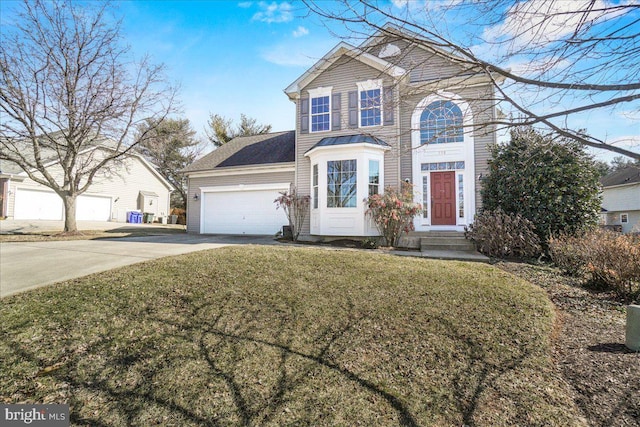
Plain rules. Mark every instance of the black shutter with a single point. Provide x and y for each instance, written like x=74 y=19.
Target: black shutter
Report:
x=388 y=105
x=353 y=109
x=336 y=104
x=304 y=115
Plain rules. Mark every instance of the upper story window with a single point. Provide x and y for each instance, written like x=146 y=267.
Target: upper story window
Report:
x=441 y=123
x=370 y=102
x=342 y=183
x=320 y=116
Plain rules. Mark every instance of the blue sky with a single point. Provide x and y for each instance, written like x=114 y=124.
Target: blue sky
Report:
x=229 y=57
x=233 y=57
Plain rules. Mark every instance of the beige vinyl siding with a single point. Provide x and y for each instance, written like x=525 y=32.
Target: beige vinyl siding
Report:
x=421 y=64
x=122 y=182
x=250 y=178
x=342 y=76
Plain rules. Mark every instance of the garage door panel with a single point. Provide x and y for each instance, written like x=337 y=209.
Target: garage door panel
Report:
x=93 y=208
x=243 y=212
x=34 y=204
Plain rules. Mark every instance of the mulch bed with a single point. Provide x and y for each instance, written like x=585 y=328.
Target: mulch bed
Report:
x=589 y=347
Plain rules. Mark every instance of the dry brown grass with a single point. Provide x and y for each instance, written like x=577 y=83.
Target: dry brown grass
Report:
x=288 y=336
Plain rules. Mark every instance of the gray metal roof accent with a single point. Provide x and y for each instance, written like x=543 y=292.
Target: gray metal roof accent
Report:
x=224 y=152
x=349 y=139
x=628 y=175
x=148 y=193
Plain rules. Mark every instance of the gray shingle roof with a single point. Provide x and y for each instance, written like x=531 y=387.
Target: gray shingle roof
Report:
x=349 y=139
x=276 y=147
x=628 y=175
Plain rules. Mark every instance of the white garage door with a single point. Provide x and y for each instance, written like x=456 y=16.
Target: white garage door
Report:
x=242 y=212
x=33 y=204
x=93 y=208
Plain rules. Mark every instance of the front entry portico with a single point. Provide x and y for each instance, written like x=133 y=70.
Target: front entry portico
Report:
x=443 y=163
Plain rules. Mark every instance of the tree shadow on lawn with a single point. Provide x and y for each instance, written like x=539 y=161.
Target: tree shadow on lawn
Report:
x=210 y=364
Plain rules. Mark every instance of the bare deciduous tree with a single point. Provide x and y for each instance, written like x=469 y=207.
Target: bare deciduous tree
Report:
x=67 y=86
x=557 y=58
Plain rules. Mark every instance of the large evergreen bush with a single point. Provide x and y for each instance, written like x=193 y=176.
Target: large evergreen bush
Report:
x=552 y=182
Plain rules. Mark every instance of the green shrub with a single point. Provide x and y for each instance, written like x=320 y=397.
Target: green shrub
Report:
x=604 y=258
x=551 y=181
x=370 y=243
x=499 y=235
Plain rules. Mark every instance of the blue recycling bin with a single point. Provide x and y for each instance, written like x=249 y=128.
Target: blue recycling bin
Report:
x=134 y=217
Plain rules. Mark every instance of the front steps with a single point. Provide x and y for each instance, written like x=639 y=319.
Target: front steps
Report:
x=442 y=245
x=445 y=241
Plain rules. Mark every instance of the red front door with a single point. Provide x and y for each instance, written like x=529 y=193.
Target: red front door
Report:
x=443 y=198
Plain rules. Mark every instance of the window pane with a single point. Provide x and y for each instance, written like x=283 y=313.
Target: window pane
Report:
x=315 y=186
x=320 y=115
x=341 y=183
x=440 y=123
x=425 y=196
x=370 y=111
x=374 y=177
x=461 y=196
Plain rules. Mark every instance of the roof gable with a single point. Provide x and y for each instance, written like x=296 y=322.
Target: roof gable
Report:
x=332 y=56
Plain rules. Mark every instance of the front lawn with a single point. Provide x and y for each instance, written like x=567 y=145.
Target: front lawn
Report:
x=287 y=336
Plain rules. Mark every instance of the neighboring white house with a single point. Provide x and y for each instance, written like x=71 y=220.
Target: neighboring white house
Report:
x=621 y=199
x=131 y=183
x=396 y=108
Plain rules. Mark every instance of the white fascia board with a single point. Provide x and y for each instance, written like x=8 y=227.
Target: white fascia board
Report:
x=342 y=49
x=629 y=184
x=245 y=187
x=290 y=167
x=347 y=147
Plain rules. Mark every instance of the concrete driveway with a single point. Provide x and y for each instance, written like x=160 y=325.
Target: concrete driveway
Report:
x=28 y=265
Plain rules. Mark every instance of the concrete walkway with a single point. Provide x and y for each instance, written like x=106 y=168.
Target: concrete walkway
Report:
x=28 y=265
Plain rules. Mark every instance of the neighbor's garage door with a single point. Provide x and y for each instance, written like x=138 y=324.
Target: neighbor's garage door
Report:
x=93 y=208
x=33 y=204
x=242 y=212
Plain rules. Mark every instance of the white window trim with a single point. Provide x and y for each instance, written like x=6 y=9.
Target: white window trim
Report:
x=318 y=93
x=625 y=215
x=370 y=85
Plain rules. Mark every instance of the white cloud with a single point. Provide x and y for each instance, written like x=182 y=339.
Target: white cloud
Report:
x=245 y=4
x=300 y=31
x=273 y=12
x=289 y=56
x=400 y=3
x=536 y=23
x=625 y=141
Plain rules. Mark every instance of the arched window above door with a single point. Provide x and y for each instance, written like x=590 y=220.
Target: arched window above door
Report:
x=441 y=123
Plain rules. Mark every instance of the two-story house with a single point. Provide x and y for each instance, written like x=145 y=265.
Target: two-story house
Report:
x=621 y=199
x=394 y=109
